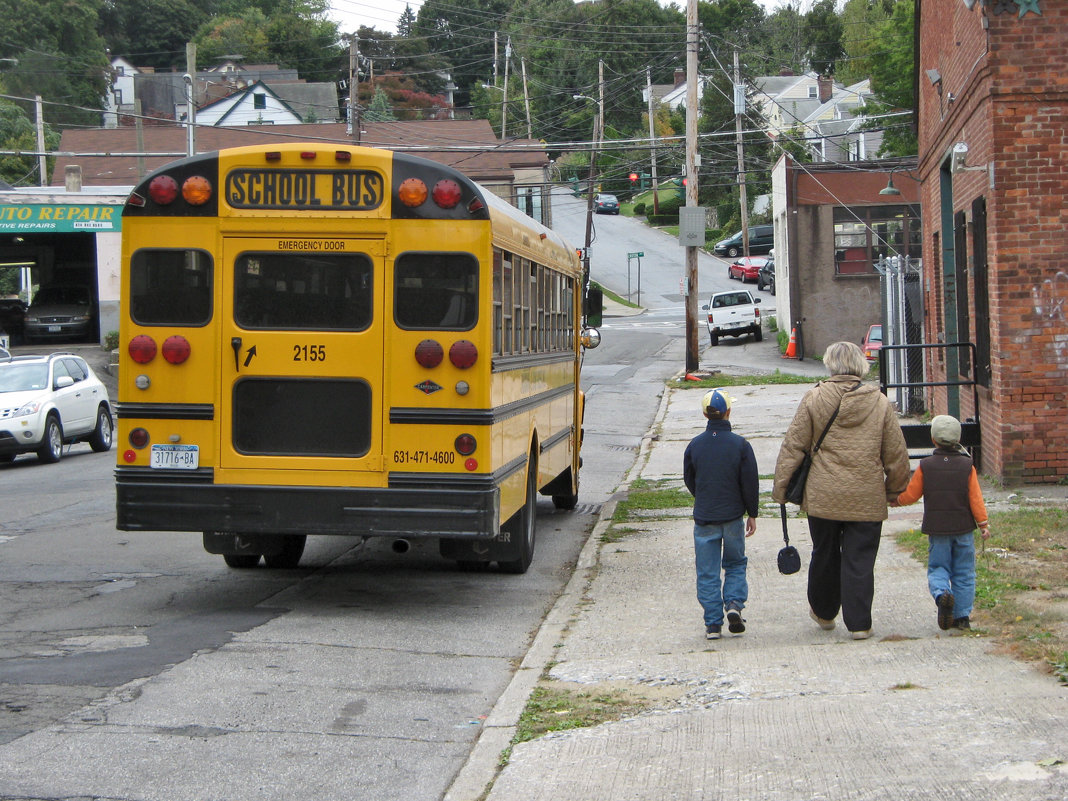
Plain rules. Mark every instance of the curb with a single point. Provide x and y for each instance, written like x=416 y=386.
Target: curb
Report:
x=484 y=763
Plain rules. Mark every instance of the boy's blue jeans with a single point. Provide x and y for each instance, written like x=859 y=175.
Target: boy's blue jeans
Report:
x=951 y=568
x=720 y=546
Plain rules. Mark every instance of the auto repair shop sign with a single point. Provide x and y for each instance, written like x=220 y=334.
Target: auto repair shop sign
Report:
x=60 y=218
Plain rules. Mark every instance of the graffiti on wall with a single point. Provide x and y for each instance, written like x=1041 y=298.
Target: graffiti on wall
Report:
x=1051 y=307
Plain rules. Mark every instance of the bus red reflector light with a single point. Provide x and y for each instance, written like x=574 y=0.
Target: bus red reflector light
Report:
x=447 y=194
x=342 y=155
x=139 y=438
x=273 y=155
x=129 y=457
x=135 y=200
x=197 y=190
x=163 y=190
x=463 y=353
x=429 y=353
x=142 y=349
x=412 y=192
x=471 y=464
x=476 y=206
x=308 y=155
x=176 y=349
x=465 y=444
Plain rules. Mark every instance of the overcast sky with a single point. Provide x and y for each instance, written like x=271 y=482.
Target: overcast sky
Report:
x=383 y=14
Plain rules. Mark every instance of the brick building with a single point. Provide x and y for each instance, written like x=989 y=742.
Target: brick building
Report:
x=992 y=100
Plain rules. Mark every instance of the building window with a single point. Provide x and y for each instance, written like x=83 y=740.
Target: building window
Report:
x=865 y=234
x=813 y=91
x=259 y=100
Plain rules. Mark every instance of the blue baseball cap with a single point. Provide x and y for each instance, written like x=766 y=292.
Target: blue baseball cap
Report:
x=716 y=401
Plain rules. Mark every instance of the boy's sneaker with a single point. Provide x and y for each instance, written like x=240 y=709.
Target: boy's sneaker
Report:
x=962 y=622
x=712 y=632
x=735 y=624
x=945 y=610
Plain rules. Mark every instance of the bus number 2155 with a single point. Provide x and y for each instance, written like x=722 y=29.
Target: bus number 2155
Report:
x=309 y=353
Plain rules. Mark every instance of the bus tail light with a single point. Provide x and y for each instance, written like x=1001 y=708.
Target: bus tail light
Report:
x=163 y=190
x=465 y=444
x=476 y=206
x=412 y=192
x=176 y=349
x=463 y=353
x=139 y=438
x=447 y=194
x=429 y=353
x=142 y=349
x=197 y=190
x=342 y=155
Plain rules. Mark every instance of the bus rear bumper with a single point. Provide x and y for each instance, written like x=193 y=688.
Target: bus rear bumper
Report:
x=409 y=512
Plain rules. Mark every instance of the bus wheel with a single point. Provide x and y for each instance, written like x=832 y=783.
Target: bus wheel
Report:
x=289 y=557
x=241 y=561
x=523 y=524
x=565 y=502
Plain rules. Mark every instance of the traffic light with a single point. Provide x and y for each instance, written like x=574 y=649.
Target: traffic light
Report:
x=633 y=178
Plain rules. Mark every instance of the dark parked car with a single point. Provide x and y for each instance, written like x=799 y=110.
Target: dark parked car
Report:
x=59 y=313
x=761 y=240
x=766 y=276
x=12 y=319
x=606 y=204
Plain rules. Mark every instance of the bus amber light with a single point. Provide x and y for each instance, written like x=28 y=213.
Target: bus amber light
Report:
x=142 y=349
x=465 y=444
x=463 y=353
x=412 y=192
x=196 y=189
x=163 y=190
x=176 y=349
x=429 y=353
x=447 y=194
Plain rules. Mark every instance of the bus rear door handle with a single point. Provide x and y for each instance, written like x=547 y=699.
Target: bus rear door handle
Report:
x=235 y=343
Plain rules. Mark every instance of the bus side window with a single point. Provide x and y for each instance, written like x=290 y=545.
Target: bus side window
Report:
x=435 y=291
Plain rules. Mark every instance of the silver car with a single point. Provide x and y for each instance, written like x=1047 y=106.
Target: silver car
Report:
x=59 y=313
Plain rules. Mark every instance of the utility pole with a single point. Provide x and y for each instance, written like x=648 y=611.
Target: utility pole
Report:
x=652 y=139
x=504 y=97
x=354 y=87
x=191 y=111
x=600 y=102
x=692 y=349
x=526 y=97
x=739 y=110
x=42 y=160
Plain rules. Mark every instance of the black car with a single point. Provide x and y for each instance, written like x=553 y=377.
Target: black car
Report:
x=12 y=317
x=766 y=276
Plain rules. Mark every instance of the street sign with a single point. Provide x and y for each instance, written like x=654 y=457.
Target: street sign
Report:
x=635 y=255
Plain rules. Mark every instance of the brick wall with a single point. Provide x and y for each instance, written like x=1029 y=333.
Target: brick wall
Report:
x=1004 y=92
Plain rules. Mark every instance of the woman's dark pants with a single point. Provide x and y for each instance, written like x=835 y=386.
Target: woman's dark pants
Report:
x=841 y=574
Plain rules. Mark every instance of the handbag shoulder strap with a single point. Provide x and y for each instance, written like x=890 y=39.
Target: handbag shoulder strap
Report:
x=827 y=427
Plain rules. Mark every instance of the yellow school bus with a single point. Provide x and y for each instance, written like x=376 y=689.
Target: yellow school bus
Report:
x=337 y=340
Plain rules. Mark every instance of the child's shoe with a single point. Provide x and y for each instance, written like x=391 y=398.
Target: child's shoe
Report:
x=712 y=632
x=962 y=622
x=945 y=610
x=735 y=624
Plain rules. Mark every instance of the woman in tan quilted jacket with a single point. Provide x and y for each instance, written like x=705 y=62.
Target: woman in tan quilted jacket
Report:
x=861 y=466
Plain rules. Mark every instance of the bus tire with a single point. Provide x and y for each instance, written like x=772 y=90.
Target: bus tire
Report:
x=289 y=557
x=523 y=524
x=565 y=502
x=241 y=561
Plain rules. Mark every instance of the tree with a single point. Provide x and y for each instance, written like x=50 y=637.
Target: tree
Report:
x=860 y=18
x=379 y=110
x=892 y=80
x=18 y=132
x=823 y=37
x=244 y=36
x=150 y=33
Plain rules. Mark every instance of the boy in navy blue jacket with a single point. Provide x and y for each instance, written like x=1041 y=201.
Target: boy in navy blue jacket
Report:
x=720 y=471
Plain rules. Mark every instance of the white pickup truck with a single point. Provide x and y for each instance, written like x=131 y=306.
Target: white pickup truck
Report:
x=733 y=314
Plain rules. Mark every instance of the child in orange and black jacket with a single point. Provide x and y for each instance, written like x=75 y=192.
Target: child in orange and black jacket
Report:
x=952 y=507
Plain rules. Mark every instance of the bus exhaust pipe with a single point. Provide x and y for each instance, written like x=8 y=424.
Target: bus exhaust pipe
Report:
x=401 y=546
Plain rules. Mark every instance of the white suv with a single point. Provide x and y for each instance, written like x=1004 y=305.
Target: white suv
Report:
x=46 y=401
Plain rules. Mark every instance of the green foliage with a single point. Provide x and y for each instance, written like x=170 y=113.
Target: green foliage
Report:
x=639 y=208
x=824 y=31
x=17 y=132
x=892 y=80
x=379 y=110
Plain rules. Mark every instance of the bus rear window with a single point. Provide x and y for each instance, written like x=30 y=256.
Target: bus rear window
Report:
x=436 y=291
x=297 y=292
x=171 y=287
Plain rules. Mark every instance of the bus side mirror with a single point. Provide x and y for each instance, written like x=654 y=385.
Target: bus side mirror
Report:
x=590 y=338
x=594 y=306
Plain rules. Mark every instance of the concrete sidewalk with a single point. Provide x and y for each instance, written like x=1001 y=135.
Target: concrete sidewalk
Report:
x=786 y=711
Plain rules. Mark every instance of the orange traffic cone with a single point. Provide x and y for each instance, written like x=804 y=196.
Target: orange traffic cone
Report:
x=791 y=349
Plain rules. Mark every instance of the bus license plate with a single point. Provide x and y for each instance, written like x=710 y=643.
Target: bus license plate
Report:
x=176 y=457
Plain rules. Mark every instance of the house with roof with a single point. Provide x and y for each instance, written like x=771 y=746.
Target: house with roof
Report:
x=120 y=95
x=257 y=104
